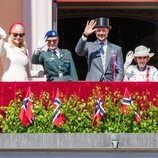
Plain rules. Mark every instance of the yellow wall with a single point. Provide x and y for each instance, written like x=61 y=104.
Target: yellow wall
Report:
x=10 y=12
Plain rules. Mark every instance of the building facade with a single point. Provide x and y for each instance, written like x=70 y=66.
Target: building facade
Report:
x=134 y=22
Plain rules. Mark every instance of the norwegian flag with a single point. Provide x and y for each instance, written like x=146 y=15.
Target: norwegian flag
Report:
x=26 y=114
x=58 y=117
x=137 y=117
x=98 y=112
x=127 y=101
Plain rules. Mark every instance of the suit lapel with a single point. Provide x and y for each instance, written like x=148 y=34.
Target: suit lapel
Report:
x=99 y=61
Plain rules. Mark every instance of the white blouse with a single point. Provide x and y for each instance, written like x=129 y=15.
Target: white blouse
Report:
x=15 y=64
x=150 y=73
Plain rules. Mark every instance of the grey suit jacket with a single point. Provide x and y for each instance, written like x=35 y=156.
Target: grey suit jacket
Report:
x=95 y=67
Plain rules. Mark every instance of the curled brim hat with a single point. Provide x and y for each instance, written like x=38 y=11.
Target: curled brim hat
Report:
x=51 y=33
x=102 y=22
x=142 y=51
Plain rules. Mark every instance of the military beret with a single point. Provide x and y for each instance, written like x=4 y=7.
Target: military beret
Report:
x=51 y=33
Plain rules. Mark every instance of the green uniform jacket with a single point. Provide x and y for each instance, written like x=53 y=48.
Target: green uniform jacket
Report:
x=57 y=69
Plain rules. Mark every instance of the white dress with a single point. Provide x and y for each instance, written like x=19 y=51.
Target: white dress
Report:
x=15 y=64
x=134 y=74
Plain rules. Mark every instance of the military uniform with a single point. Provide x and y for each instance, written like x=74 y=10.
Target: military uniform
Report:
x=57 y=68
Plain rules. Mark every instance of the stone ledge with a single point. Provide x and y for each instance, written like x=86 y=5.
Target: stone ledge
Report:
x=79 y=141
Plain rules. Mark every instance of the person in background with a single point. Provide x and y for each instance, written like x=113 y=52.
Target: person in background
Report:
x=58 y=63
x=105 y=59
x=14 y=54
x=140 y=71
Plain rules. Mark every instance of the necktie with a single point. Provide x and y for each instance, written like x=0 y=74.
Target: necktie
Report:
x=54 y=52
x=102 y=48
x=57 y=53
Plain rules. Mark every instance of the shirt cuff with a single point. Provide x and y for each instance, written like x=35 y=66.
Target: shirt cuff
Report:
x=84 y=38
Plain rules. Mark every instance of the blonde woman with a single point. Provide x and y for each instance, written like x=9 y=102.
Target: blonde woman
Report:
x=14 y=54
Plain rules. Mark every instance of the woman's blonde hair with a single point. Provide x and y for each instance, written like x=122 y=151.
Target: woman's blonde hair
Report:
x=22 y=45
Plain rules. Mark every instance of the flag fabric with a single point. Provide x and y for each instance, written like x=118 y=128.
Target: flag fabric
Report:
x=127 y=101
x=128 y=104
x=58 y=117
x=137 y=117
x=26 y=114
x=98 y=112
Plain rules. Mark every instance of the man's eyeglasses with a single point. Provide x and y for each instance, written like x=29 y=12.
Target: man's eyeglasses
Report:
x=52 y=41
x=18 y=34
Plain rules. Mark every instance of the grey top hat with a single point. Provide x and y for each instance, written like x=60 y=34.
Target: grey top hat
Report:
x=102 y=22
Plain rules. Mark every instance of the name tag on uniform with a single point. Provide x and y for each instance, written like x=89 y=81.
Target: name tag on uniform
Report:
x=50 y=59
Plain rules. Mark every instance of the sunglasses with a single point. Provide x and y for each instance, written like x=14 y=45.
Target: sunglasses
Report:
x=18 y=34
x=52 y=41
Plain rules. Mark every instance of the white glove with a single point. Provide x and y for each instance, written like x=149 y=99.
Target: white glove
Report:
x=2 y=33
x=42 y=43
x=37 y=73
x=129 y=59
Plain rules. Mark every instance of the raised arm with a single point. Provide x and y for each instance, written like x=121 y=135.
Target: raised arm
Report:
x=2 y=36
x=35 y=57
x=89 y=29
x=129 y=59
